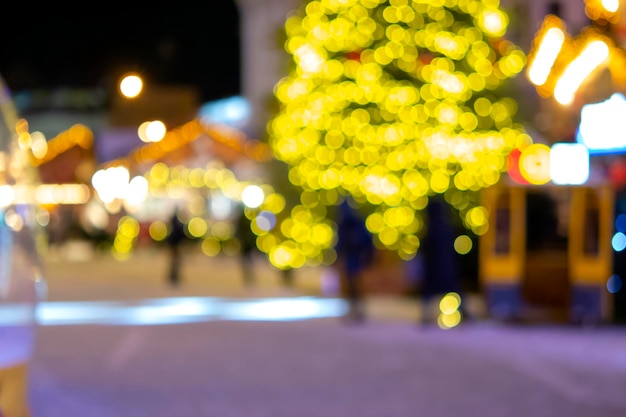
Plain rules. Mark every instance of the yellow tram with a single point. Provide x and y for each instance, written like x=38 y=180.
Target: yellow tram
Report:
x=548 y=254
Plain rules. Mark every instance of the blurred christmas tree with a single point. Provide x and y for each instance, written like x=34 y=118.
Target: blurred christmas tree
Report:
x=391 y=102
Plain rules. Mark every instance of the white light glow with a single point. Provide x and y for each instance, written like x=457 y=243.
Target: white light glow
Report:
x=569 y=163
x=603 y=125
x=220 y=206
x=252 y=196
x=111 y=183
x=309 y=58
x=131 y=86
x=136 y=193
x=7 y=195
x=610 y=6
x=155 y=131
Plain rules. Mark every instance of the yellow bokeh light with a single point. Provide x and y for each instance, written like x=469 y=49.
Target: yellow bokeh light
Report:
x=463 y=244
x=477 y=216
x=448 y=321
x=210 y=246
x=197 y=227
x=450 y=303
x=493 y=21
x=222 y=230
x=231 y=247
x=158 y=230
x=534 y=163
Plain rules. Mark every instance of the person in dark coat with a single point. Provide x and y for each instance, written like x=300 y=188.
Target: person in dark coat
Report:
x=248 y=248
x=174 y=239
x=355 y=251
x=440 y=261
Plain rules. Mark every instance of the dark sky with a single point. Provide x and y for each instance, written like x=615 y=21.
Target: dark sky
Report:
x=192 y=46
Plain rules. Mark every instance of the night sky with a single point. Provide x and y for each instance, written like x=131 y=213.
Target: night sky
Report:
x=196 y=46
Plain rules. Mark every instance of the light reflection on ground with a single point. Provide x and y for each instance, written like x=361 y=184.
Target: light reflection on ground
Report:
x=180 y=310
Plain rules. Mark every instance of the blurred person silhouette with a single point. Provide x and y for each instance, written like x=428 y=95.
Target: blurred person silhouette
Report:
x=288 y=277
x=355 y=251
x=175 y=238
x=440 y=267
x=247 y=240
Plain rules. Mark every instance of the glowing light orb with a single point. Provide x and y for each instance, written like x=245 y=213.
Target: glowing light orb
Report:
x=534 y=163
x=131 y=86
x=252 y=196
x=569 y=163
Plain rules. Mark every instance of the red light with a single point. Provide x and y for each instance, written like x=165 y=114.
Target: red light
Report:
x=512 y=166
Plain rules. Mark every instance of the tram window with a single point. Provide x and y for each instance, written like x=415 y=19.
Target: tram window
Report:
x=503 y=224
x=542 y=222
x=591 y=226
x=592 y=233
x=503 y=231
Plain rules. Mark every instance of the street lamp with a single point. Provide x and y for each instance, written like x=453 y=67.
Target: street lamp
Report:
x=131 y=85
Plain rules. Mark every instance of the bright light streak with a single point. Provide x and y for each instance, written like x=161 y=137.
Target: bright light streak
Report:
x=594 y=54
x=175 y=310
x=549 y=49
x=18 y=314
x=282 y=309
x=44 y=194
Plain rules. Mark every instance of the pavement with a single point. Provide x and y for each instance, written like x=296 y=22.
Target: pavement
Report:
x=317 y=365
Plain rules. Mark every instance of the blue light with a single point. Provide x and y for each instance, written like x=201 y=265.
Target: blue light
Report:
x=620 y=223
x=618 y=242
x=266 y=220
x=233 y=111
x=614 y=284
